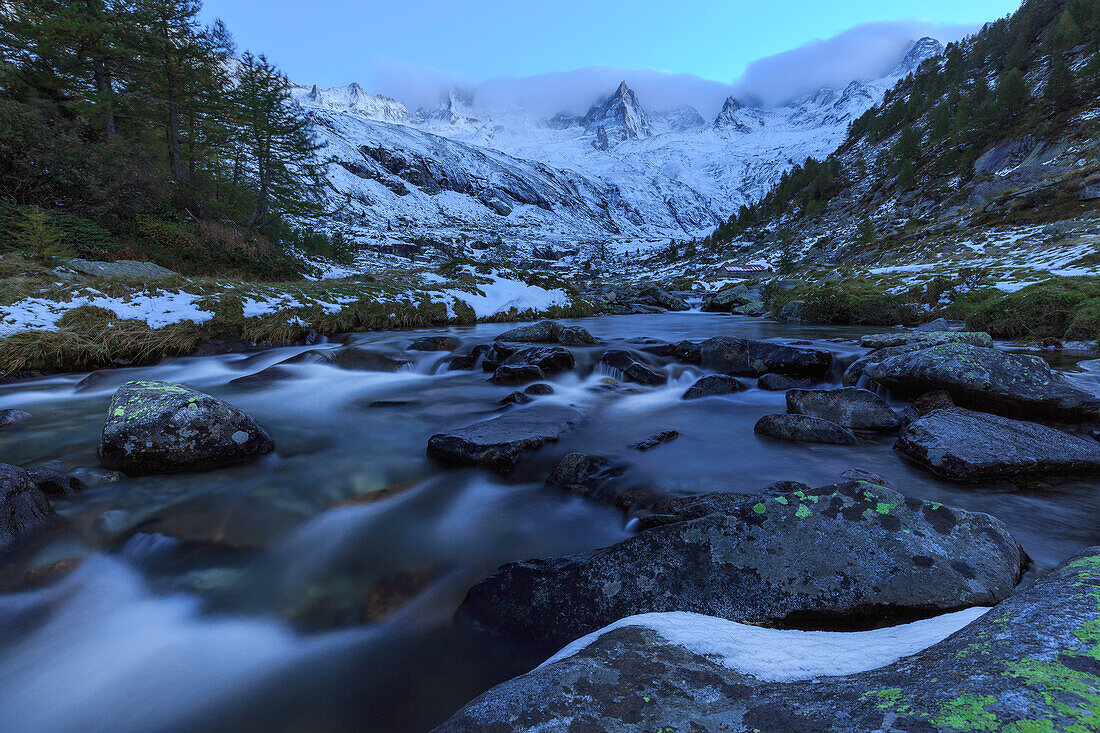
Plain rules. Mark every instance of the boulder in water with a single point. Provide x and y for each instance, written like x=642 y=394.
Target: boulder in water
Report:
x=1013 y=385
x=804 y=429
x=54 y=482
x=632 y=369
x=779 y=383
x=507 y=376
x=500 y=443
x=367 y=360
x=23 y=506
x=849 y=407
x=852 y=555
x=433 y=343
x=748 y=358
x=161 y=427
x=11 y=418
x=967 y=446
x=550 y=359
x=549 y=332
x=713 y=385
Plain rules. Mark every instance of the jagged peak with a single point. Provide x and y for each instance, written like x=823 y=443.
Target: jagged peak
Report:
x=922 y=49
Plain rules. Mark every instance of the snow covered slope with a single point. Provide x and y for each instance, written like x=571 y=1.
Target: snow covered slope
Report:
x=620 y=173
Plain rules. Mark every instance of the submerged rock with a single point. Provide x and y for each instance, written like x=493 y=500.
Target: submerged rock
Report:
x=661 y=298
x=500 y=443
x=655 y=440
x=11 y=418
x=161 y=427
x=849 y=407
x=1030 y=664
x=850 y=555
x=586 y=476
x=54 y=482
x=632 y=369
x=967 y=446
x=1013 y=385
x=549 y=332
x=926 y=339
x=804 y=429
x=713 y=385
x=367 y=360
x=538 y=390
x=748 y=358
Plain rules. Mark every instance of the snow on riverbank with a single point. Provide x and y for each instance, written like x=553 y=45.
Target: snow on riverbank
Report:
x=777 y=655
x=157 y=308
x=502 y=294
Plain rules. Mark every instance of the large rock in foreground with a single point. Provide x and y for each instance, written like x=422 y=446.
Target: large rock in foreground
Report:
x=850 y=554
x=967 y=446
x=23 y=506
x=748 y=358
x=1029 y=665
x=858 y=409
x=549 y=332
x=161 y=427
x=500 y=443
x=1013 y=385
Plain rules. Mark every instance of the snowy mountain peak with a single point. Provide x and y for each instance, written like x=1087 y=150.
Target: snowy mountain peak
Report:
x=921 y=50
x=729 y=118
x=620 y=117
x=352 y=99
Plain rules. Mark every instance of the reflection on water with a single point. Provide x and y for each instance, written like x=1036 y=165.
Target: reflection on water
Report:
x=314 y=589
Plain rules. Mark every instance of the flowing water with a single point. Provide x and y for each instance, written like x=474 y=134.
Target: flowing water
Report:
x=314 y=589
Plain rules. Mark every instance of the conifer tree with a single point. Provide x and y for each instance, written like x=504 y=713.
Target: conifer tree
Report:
x=1012 y=95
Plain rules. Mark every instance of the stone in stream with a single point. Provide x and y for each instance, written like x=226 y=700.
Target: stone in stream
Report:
x=466 y=362
x=632 y=369
x=968 y=446
x=23 y=506
x=586 y=476
x=11 y=418
x=1013 y=385
x=725 y=300
x=500 y=443
x=849 y=555
x=925 y=339
x=749 y=358
x=1030 y=664
x=161 y=427
x=537 y=390
x=367 y=360
x=713 y=385
x=433 y=343
x=549 y=332
x=928 y=402
x=804 y=429
x=508 y=376
x=849 y=407
x=688 y=352
x=661 y=298
x=779 y=383
x=550 y=359
x=516 y=398
x=655 y=440
x=939 y=324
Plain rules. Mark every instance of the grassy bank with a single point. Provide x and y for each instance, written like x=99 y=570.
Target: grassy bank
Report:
x=57 y=321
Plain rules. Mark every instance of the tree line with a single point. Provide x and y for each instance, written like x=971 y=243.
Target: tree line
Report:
x=134 y=118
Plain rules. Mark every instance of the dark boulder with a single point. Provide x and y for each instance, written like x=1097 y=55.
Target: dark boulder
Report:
x=549 y=332
x=687 y=352
x=161 y=427
x=804 y=429
x=1013 y=385
x=660 y=298
x=849 y=407
x=550 y=359
x=925 y=339
x=779 y=383
x=931 y=401
x=632 y=369
x=939 y=324
x=23 y=506
x=500 y=443
x=713 y=385
x=516 y=398
x=537 y=390
x=512 y=375
x=852 y=554
x=433 y=343
x=967 y=446
x=725 y=300
x=466 y=362
x=11 y=418
x=748 y=358
x=1028 y=665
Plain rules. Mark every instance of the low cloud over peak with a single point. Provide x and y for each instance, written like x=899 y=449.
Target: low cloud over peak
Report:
x=864 y=52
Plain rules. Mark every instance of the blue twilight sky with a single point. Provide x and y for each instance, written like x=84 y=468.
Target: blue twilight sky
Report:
x=382 y=42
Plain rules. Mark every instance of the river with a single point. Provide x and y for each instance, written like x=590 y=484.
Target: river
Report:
x=234 y=600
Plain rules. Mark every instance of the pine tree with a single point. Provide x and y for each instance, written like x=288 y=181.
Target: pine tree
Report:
x=1012 y=95
x=280 y=148
x=1060 y=90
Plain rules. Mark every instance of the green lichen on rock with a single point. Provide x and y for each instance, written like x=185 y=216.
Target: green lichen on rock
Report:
x=967 y=712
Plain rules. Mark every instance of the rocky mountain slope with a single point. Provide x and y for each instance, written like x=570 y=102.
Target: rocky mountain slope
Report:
x=621 y=173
